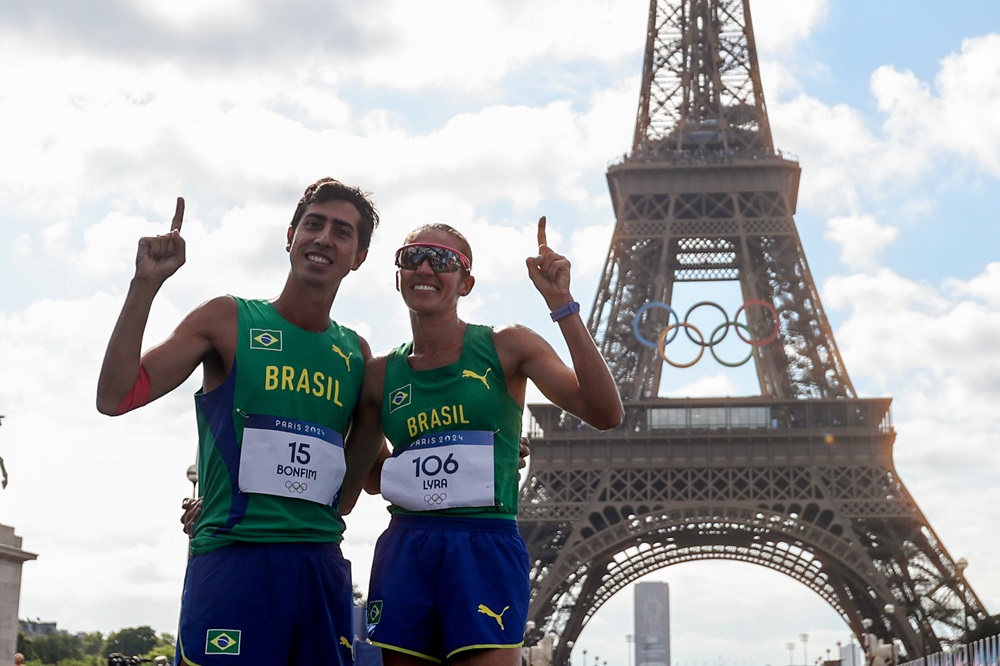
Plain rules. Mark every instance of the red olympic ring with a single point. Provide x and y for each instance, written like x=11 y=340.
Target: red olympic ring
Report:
x=713 y=339
x=774 y=313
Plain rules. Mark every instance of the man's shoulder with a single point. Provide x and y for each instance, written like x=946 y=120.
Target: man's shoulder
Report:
x=214 y=315
x=220 y=306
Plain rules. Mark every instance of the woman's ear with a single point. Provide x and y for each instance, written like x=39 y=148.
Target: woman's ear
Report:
x=467 y=284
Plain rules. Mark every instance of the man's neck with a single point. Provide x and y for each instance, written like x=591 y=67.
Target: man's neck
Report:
x=309 y=309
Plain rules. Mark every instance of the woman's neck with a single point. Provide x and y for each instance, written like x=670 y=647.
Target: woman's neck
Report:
x=437 y=340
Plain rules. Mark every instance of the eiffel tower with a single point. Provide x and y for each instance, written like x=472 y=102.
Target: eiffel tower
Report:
x=800 y=478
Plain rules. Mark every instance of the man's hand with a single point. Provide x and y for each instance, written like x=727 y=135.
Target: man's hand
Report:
x=192 y=509
x=523 y=452
x=159 y=257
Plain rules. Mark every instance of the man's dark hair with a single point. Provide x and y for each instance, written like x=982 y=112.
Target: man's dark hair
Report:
x=329 y=189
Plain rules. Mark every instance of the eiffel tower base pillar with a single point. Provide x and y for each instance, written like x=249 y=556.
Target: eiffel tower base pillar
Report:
x=12 y=557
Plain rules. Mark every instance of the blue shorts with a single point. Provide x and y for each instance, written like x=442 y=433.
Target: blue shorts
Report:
x=442 y=585
x=269 y=604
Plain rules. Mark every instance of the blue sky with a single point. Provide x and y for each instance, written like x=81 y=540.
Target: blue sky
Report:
x=484 y=115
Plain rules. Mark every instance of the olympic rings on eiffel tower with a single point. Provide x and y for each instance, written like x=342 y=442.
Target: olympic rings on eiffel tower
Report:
x=696 y=336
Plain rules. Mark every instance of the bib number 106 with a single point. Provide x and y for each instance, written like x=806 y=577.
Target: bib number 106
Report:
x=433 y=465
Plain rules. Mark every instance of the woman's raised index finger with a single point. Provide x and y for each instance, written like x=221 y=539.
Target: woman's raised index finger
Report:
x=175 y=224
x=541 y=231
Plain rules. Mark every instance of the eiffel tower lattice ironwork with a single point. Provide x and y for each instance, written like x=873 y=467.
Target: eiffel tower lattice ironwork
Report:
x=800 y=478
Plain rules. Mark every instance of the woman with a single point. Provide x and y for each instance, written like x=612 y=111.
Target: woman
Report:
x=450 y=575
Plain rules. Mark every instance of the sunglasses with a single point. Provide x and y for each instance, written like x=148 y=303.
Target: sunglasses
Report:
x=443 y=259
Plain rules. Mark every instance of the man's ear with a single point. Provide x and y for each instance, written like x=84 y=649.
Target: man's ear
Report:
x=359 y=259
x=290 y=235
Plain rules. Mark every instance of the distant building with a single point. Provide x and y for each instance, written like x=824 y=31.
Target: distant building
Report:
x=32 y=628
x=652 y=624
x=851 y=655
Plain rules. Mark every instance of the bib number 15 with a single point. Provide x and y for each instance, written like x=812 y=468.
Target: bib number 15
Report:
x=299 y=454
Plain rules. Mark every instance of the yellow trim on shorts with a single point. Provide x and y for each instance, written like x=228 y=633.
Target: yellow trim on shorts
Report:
x=396 y=648
x=490 y=646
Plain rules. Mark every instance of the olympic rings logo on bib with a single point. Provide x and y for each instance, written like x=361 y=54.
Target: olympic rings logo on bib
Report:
x=296 y=486
x=435 y=498
x=694 y=334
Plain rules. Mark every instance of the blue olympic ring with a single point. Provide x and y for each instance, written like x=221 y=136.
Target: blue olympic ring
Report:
x=713 y=339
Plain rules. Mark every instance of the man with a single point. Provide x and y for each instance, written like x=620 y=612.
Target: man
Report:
x=266 y=579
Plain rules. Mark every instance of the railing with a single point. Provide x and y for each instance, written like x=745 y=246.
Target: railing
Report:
x=750 y=413
x=984 y=652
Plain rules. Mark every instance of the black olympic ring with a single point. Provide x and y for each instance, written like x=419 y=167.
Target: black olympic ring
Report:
x=691 y=330
x=436 y=498
x=296 y=486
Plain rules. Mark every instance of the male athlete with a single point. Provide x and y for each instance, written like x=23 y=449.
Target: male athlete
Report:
x=266 y=581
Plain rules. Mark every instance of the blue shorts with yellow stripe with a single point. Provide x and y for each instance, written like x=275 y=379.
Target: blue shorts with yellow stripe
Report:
x=442 y=585
x=288 y=603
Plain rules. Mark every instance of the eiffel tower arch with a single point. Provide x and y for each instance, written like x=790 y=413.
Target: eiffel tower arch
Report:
x=800 y=478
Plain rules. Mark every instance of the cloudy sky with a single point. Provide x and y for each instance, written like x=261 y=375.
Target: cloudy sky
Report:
x=484 y=115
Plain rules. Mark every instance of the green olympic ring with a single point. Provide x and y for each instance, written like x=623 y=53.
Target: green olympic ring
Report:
x=713 y=339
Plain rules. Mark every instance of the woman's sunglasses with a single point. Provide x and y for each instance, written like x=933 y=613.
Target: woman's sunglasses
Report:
x=443 y=259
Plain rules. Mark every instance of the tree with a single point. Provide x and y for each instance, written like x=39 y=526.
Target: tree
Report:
x=92 y=642
x=165 y=646
x=131 y=641
x=53 y=648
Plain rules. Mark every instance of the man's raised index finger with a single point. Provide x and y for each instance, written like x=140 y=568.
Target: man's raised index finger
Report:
x=541 y=231
x=175 y=225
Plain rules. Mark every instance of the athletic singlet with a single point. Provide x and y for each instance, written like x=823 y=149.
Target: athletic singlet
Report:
x=273 y=427
x=434 y=418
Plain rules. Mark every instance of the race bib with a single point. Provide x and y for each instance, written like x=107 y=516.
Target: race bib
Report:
x=440 y=471
x=291 y=458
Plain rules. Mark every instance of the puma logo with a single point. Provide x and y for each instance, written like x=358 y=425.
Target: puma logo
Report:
x=346 y=357
x=345 y=642
x=482 y=377
x=486 y=611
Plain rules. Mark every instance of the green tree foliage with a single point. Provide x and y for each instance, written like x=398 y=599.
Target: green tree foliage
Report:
x=165 y=646
x=92 y=643
x=91 y=649
x=53 y=648
x=130 y=641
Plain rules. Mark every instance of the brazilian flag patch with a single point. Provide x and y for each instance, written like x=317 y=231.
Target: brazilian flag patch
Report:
x=261 y=338
x=399 y=397
x=374 y=613
x=222 y=641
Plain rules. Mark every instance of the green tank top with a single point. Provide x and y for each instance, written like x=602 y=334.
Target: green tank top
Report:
x=299 y=389
x=468 y=396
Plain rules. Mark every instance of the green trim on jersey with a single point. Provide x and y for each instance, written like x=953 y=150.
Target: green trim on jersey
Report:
x=470 y=394
x=279 y=370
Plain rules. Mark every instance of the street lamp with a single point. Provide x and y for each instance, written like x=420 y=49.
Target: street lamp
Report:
x=805 y=639
x=790 y=646
x=192 y=475
x=628 y=646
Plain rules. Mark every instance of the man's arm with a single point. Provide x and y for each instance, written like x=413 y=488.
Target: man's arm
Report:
x=129 y=379
x=365 y=443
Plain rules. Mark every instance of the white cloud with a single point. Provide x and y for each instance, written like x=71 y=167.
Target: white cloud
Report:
x=860 y=238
